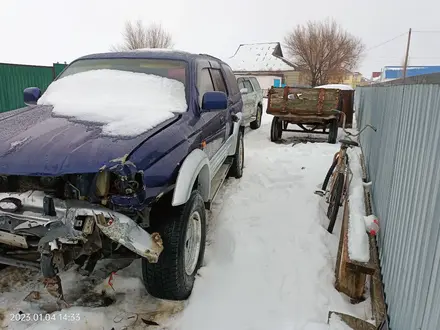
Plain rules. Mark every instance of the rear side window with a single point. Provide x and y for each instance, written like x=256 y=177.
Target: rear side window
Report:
x=248 y=85
x=219 y=82
x=231 y=80
x=240 y=82
x=204 y=84
x=255 y=83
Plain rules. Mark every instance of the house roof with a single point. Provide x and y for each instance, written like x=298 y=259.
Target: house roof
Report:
x=260 y=57
x=396 y=72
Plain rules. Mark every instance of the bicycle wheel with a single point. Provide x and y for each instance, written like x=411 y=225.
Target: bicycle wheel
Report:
x=329 y=174
x=335 y=199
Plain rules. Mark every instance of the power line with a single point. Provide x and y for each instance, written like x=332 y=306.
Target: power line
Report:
x=385 y=42
x=428 y=31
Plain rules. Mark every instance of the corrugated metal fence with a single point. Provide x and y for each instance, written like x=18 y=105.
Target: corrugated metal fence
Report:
x=14 y=78
x=403 y=162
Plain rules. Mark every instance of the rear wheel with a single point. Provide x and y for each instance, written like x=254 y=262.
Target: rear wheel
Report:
x=276 y=129
x=335 y=200
x=257 y=122
x=183 y=231
x=333 y=131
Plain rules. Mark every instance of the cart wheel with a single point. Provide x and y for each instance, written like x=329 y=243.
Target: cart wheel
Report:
x=276 y=129
x=333 y=131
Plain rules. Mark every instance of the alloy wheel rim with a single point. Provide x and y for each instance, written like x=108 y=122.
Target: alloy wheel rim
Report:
x=193 y=238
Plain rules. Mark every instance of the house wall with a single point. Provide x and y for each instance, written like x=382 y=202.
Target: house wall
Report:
x=292 y=78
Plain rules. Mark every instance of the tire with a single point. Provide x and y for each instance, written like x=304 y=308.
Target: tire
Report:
x=276 y=129
x=329 y=174
x=333 y=131
x=335 y=199
x=236 y=169
x=257 y=122
x=173 y=276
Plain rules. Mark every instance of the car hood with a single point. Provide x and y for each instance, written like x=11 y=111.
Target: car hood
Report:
x=35 y=142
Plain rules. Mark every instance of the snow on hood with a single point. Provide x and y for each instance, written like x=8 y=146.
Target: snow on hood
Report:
x=337 y=86
x=127 y=103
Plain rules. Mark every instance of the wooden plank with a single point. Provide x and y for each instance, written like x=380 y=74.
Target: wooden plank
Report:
x=376 y=288
x=349 y=281
x=302 y=101
x=353 y=322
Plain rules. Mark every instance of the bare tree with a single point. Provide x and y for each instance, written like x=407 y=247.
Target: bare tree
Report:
x=137 y=36
x=323 y=50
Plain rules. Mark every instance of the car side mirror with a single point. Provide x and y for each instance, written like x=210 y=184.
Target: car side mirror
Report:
x=244 y=90
x=31 y=95
x=213 y=101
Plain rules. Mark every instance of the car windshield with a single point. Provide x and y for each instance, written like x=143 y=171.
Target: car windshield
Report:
x=171 y=69
x=128 y=96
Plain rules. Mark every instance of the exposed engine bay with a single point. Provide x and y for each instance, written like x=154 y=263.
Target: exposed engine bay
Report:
x=52 y=223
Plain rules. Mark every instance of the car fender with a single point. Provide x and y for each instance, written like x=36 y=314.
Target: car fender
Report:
x=196 y=164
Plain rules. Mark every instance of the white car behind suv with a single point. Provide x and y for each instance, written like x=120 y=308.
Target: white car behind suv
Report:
x=252 y=96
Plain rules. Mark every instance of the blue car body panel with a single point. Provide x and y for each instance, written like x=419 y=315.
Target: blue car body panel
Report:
x=35 y=142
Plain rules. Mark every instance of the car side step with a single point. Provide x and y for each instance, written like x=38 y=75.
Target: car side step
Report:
x=217 y=182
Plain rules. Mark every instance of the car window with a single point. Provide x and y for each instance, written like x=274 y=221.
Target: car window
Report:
x=230 y=79
x=255 y=83
x=240 y=82
x=170 y=69
x=204 y=84
x=219 y=82
x=248 y=85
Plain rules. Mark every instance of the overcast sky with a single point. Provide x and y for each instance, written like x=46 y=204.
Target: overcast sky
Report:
x=47 y=31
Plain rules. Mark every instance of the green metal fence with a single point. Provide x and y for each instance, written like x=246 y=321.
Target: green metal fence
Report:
x=14 y=78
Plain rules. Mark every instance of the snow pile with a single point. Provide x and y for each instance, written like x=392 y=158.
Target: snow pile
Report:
x=269 y=263
x=358 y=244
x=127 y=103
x=258 y=57
x=269 y=260
x=337 y=86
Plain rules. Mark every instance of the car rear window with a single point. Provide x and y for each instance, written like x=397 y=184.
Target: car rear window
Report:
x=171 y=69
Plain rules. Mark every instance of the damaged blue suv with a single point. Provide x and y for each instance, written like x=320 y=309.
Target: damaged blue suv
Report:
x=121 y=155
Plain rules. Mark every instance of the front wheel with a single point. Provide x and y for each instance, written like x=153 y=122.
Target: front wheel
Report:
x=236 y=169
x=335 y=200
x=276 y=129
x=183 y=231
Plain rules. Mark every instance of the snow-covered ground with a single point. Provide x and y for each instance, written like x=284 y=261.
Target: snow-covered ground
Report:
x=269 y=261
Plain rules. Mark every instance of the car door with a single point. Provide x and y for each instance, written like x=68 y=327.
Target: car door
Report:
x=213 y=131
x=251 y=98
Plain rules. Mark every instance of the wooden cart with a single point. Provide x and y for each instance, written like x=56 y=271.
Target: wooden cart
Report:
x=312 y=109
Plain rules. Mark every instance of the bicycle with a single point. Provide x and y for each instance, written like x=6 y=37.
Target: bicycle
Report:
x=339 y=175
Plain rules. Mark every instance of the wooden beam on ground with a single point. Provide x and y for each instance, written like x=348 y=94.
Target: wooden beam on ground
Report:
x=353 y=322
x=349 y=280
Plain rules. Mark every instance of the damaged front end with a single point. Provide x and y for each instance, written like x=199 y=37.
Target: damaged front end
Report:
x=74 y=219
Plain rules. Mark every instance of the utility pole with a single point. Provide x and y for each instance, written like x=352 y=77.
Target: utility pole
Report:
x=406 y=55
